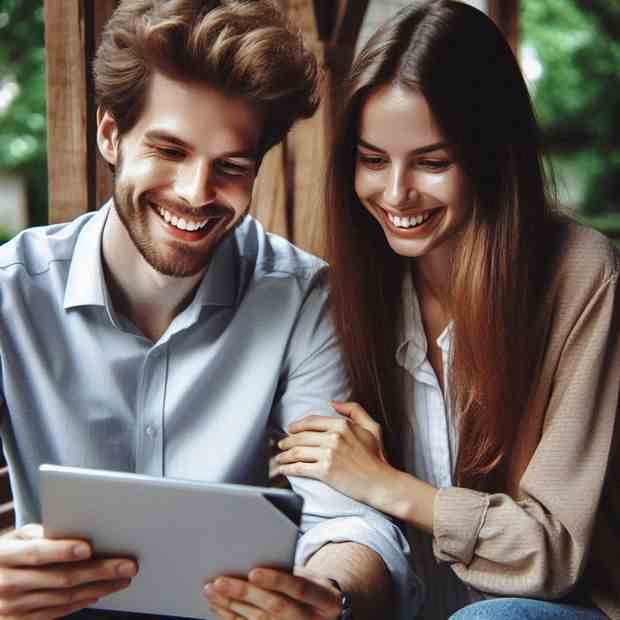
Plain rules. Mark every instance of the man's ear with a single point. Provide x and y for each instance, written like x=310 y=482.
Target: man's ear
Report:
x=107 y=136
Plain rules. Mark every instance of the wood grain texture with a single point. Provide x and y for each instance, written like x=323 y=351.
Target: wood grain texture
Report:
x=102 y=11
x=270 y=200
x=65 y=40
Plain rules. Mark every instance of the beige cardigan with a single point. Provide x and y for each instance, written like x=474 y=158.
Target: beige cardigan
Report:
x=559 y=530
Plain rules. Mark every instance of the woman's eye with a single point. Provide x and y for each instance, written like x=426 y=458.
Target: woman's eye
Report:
x=371 y=161
x=436 y=165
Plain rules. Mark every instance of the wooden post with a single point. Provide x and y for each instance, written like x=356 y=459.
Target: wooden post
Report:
x=76 y=182
x=331 y=29
x=506 y=16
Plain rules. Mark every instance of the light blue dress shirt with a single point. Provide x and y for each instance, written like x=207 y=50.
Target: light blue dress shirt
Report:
x=254 y=351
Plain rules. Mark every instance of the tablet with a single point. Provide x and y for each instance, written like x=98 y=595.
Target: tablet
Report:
x=183 y=533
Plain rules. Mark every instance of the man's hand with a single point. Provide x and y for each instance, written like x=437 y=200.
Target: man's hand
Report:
x=274 y=595
x=42 y=579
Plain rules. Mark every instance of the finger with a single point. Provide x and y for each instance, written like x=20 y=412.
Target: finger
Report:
x=27 y=532
x=234 y=608
x=247 y=600
x=356 y=413
x=302 y=470
x=222 y=612
x=306 y=438
x=21 y=551
x=65 y=576
x=319 y=423
x=324 y=598
x=45 y=599
x=57 y=612
x=300 y=454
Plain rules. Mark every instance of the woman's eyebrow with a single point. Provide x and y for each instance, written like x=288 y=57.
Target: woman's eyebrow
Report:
x=419 y=151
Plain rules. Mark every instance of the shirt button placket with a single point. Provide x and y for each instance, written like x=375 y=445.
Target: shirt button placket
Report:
x=150 y=415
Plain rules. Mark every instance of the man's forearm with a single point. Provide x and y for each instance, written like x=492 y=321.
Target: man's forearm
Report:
x=362 y=573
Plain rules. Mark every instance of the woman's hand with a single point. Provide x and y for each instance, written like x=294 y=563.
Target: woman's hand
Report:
x=347 y=453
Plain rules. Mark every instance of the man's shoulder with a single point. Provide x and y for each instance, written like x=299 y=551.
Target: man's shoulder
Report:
x=34 y=250
x=271 y=255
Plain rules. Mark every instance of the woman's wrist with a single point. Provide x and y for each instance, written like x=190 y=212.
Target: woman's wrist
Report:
x=404 y=497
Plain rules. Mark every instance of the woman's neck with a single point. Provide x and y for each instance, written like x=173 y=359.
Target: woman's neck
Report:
x=432 y=275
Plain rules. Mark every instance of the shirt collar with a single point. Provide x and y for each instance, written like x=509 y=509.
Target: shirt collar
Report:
x=86 y=284
x=413 y=347
x=219 y=285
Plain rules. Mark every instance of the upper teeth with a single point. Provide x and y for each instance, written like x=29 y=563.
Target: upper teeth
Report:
x=409 y=222
x=182 y=223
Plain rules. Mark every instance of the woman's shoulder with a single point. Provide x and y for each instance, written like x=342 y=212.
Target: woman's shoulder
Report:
x=584 y=254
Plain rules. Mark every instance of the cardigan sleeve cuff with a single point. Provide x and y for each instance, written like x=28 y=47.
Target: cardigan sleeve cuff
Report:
x=458 y=516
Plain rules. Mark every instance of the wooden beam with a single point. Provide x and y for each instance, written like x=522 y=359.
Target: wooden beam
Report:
x=102 y=11
x=506 y=16
x=67 y=109
x=77 y=181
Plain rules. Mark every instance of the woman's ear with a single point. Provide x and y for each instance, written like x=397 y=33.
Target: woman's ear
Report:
x=107 y=136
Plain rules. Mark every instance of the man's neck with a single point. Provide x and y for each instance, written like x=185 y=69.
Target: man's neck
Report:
x=149 y=299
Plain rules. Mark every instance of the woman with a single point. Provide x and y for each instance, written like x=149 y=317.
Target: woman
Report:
x=480 y=328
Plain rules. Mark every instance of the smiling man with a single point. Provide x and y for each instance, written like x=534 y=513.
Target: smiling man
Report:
x=167 y=333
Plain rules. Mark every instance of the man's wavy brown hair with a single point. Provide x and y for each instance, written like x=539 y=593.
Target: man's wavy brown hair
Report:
x=246 y=48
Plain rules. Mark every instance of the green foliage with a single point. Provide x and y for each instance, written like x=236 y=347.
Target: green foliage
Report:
x=577 y=98
x=23 y=134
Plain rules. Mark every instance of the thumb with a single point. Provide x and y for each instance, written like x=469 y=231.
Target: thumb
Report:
x=31 y=531
x=356 y=413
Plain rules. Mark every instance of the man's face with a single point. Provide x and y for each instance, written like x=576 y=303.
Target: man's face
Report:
x=184 y=172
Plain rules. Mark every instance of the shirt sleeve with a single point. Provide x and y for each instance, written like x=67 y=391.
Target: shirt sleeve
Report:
x=314 y=374
x=537 y=545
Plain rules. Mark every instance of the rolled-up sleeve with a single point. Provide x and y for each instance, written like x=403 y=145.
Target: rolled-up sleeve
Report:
x=313 y=375
x=538 y=543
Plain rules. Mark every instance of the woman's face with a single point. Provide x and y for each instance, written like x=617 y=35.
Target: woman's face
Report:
x=406 y=175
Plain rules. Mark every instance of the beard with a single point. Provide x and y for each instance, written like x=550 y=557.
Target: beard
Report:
x=169 y=257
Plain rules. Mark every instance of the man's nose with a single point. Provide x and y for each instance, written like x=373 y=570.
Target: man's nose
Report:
x=195 y=183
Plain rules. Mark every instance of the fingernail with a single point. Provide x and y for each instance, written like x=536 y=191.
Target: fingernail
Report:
x=209 y=590
x=281 y=444
x=126 y=569
x=256 y=575
x=221 y=585
x=81 y=552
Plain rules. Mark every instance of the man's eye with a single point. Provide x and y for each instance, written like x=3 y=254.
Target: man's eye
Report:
x=169 y=152
x=233 y=169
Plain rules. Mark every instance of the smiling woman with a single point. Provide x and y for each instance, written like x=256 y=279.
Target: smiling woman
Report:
x=481 y=329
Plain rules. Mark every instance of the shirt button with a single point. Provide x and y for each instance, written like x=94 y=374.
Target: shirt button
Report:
x=151 y=431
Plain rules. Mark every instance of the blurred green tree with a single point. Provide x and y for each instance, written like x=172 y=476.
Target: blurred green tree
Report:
x=577 y=96
x=23 y=134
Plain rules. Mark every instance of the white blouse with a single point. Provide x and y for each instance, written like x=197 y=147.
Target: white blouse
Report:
x=430 y=450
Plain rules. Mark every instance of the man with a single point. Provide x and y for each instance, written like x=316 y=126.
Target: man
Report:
x=166 y=332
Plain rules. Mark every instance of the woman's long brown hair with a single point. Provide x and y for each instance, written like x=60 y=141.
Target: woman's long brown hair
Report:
x=461 y=63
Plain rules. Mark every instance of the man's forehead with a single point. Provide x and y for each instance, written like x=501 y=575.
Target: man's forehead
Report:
x=198 y=114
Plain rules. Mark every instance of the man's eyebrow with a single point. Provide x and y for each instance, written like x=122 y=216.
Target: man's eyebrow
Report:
x=437 y=146
x=164 y=136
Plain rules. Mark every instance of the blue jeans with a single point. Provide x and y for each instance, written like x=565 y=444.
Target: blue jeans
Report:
x=525 y=609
